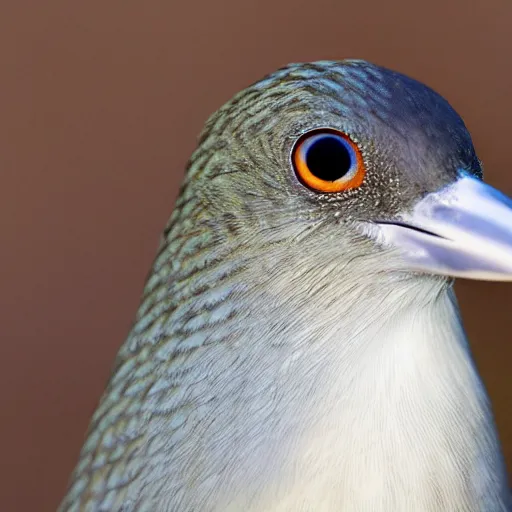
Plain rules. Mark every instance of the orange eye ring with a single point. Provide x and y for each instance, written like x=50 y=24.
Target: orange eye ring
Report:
x=328 y=161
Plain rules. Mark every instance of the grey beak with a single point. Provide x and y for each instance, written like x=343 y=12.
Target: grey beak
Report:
x=463 y=230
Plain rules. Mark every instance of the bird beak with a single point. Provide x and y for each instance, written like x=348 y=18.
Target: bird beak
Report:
x=463 y=230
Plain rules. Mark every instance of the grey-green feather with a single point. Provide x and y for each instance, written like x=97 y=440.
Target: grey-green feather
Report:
x=261 y=285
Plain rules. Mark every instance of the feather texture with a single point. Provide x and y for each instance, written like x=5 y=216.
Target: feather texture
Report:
x=279 y=359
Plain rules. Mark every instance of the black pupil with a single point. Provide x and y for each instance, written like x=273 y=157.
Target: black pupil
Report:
x=328 y=158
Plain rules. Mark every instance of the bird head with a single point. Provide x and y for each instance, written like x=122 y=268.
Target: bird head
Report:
x=348 y=165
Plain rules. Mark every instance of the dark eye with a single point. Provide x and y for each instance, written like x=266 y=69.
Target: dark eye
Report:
x=328 y=161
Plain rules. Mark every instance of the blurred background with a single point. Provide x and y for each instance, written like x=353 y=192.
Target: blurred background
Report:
x=100 y=106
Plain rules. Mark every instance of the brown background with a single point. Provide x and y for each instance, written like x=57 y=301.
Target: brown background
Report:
x=100 y=104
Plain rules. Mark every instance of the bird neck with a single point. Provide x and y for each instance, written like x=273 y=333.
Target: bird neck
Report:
x=370 y=388
x=334 y=386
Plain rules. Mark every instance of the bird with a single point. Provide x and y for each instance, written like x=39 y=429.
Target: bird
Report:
x=298 y=345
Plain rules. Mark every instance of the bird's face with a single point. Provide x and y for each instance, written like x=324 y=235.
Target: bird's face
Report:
x=367 y=160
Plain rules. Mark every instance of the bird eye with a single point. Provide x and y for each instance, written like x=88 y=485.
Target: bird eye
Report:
x=328 y=161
